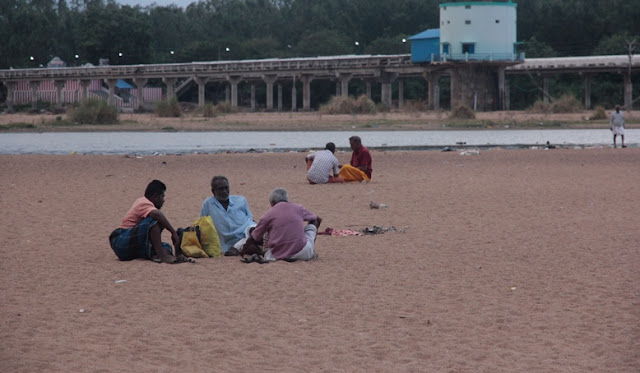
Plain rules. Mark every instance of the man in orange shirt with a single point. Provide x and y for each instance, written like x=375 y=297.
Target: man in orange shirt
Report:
x=139 y=235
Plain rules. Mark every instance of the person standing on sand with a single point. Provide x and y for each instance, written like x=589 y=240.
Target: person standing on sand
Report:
x=140 y=233
x=322 y=166
x=617 y=126
x=288 y=239
x=359 y=168
x=230 y=214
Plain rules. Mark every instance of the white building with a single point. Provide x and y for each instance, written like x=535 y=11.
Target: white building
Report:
x=478 y=30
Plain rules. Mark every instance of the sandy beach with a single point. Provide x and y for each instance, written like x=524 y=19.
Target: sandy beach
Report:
x=504 y=261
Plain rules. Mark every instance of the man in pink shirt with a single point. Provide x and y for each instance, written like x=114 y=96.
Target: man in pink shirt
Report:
x=288 y=237
x=139 y=234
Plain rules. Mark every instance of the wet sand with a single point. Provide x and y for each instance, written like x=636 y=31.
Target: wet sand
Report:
x=504 y=261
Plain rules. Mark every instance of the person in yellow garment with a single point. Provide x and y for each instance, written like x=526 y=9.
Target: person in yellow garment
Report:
x=359 y=168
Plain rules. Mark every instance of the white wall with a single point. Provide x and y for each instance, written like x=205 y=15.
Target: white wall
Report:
x=488 y=36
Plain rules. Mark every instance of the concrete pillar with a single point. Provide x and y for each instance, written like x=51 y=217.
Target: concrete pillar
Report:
x=344 y=83
x=501 y=95
x=59 y=84
x=338 y=90
x=84 y=83
x=253 y=97
x=170 y=83
x=294 y=95
x=545 y=89
x=507 y=94
x=279 y=97
x=11 y=87
x=269 y=80
x=234 y=81
x=400 y=93
x=386 y=79
x=306 y=91
x=140 y=83
x=628 y=91
x=587 y=91
x=201 y=82
x=111 y=83
x=34 y=85
x=432 y=78
x=368 y=84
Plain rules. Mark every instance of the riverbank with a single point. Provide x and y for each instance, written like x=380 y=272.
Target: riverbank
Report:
x=501 y=261
x=301 y=121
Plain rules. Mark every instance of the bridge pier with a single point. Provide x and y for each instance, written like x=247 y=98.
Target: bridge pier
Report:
x=306 y=91
x=253 y=97
x=84 y=83
x=170 y=83
x=501 y=91
x=343 y=79
x=269 y=80
x=11 y=86
x=368 y=88
x=34 y=85
x=587 y=92
x=294 y=95
x=628 y=89
x=111 y=83
x=279 y=96
x=400 y=93
x=140 y=83
x=386 y=79
x=545 y=89
x=59 y=84
x=201 y=82
x=234 y=81
x=433 y=99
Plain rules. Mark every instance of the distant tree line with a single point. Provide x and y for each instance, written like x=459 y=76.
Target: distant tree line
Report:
x=81 y=31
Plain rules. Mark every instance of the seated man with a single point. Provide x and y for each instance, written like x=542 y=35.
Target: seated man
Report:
x=139 y=235
x=287 y=237
x=230 y=214
x=360 y=167
x=322 y=166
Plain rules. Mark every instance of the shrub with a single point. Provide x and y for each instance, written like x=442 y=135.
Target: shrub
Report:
x=168 y=108
x=93 y=111
x=598 y=113
x=540 y=107
x=567 y=103
x=349 y=105
x=462 y=111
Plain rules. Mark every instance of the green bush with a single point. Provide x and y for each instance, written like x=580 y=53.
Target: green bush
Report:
x=462 y=111
x=93 y=111
x=168 y=108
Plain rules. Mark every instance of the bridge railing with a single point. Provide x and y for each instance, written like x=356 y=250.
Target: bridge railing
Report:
x=239 y=67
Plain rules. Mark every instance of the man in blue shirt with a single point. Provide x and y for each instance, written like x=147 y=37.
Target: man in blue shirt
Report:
x=230 y=214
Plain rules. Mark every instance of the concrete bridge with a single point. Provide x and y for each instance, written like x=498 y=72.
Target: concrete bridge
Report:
x=383 y=69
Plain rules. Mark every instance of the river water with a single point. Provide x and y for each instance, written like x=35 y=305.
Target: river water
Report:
x=215 y=142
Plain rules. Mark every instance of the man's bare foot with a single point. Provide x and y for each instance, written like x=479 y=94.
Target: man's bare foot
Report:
x=181 y=258
x=168 y=258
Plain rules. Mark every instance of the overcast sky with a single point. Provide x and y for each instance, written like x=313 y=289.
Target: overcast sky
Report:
x=143 y=3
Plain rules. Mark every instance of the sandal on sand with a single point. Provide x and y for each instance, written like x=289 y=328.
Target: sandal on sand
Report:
x=254 y=258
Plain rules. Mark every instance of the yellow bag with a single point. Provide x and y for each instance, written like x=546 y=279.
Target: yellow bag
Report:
x=190 y=243
x=209 y=240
